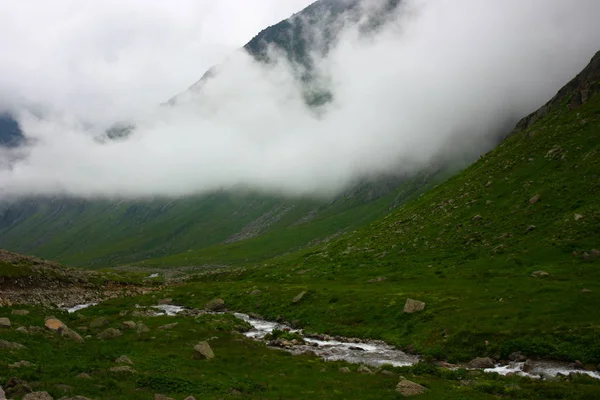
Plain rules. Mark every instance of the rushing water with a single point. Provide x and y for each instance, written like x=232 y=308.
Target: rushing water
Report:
x=373 y=353
x=369 y=352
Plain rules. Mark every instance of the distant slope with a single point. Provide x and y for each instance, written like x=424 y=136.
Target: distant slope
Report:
x=506 y=254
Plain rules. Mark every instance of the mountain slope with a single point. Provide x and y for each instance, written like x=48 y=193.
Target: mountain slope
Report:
x=505 y=254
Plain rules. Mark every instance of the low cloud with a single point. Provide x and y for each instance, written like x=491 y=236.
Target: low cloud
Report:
x=439 y=79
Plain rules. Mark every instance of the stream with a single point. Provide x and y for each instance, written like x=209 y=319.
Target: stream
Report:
x=369 y=352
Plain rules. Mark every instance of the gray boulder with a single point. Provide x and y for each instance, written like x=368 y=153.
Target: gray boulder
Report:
x=482 y=362
x=5 y=322
x=203 y=351
x=215 y=305
x=110 y=333
x=412 y=306
x=124 y=360
x=408 y=388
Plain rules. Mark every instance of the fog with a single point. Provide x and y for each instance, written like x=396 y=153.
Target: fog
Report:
x=438 y=80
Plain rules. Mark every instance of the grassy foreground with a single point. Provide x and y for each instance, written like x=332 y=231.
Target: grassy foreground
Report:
x=163 y=363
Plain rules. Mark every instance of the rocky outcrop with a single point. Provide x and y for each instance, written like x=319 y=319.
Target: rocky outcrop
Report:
x=578 y=91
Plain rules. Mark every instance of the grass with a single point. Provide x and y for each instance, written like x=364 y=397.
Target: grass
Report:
x=242 y=368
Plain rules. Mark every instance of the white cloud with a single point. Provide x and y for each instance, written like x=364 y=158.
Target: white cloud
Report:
x=446 y=70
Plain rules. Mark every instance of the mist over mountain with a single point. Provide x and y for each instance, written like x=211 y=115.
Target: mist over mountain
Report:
x=399 y=86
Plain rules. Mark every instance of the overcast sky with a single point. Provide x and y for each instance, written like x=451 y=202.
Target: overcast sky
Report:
x=96 y=53
x=440 y=79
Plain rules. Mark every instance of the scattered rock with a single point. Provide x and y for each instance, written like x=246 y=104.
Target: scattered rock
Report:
x=408 y=388
x=169 y=326
x=444 y=364
x=20 y=312
x=21 y=364
x=162 y=397
x=110 y=333
x=128 y=325
x=477 y=218
x=71 y=334
x=22 y=329
x=124 y=360
x=344 y=370
x=577 y=217
x=386 y=372
x=98 y=322
x=123 y=313
x=215 y=305
x=482 y=362
x=5 y=344
x=255 y=292
x=412 y=306
x=540 y=274
x=83 y=375
x=299 y=296
x=535 y=199
x=165 y=301
x=54 y=324
x=38 y=396
x=377 y=280
x=363 y=369
x=531 y=228
x=203 y=351
x=142 y=328
x=124 y=369
x=4 y=322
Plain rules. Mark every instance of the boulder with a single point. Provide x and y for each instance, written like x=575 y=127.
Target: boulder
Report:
x=54 y=324
x=516 y=356
x=255 y=292
x=22 y=329
x=408 y=388
x=123 y=369
x=5 y=344
x=83 y=375
x=110 y=333
x=363 y=369
x=20 y=312
x=540 y=274
x=2 y=394
x=215 y=305
x=584 y=290
x=72 y=335
x=38 y=396
x=531 y=228
x=377 y=280
x=412 y=306
x=124 y=360
x=21 y=364
x=98 y=322
x=4 y=322
x=165 y=301
x=535 y=199
x=386 y=372
x=482 y=362
x=577 y=217
x=128 y=325
x=203 y=351
x=528 y=366
x=141 y=328
x=299 y=296
x=344 y=370
x=477 y=218
x=16 y=387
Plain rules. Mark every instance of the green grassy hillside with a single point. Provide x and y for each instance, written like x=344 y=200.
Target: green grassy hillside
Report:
x=472 y=249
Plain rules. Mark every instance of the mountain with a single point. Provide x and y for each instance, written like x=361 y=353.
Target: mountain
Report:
x=10 y=131
x=97 y=233
x=505 y=255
